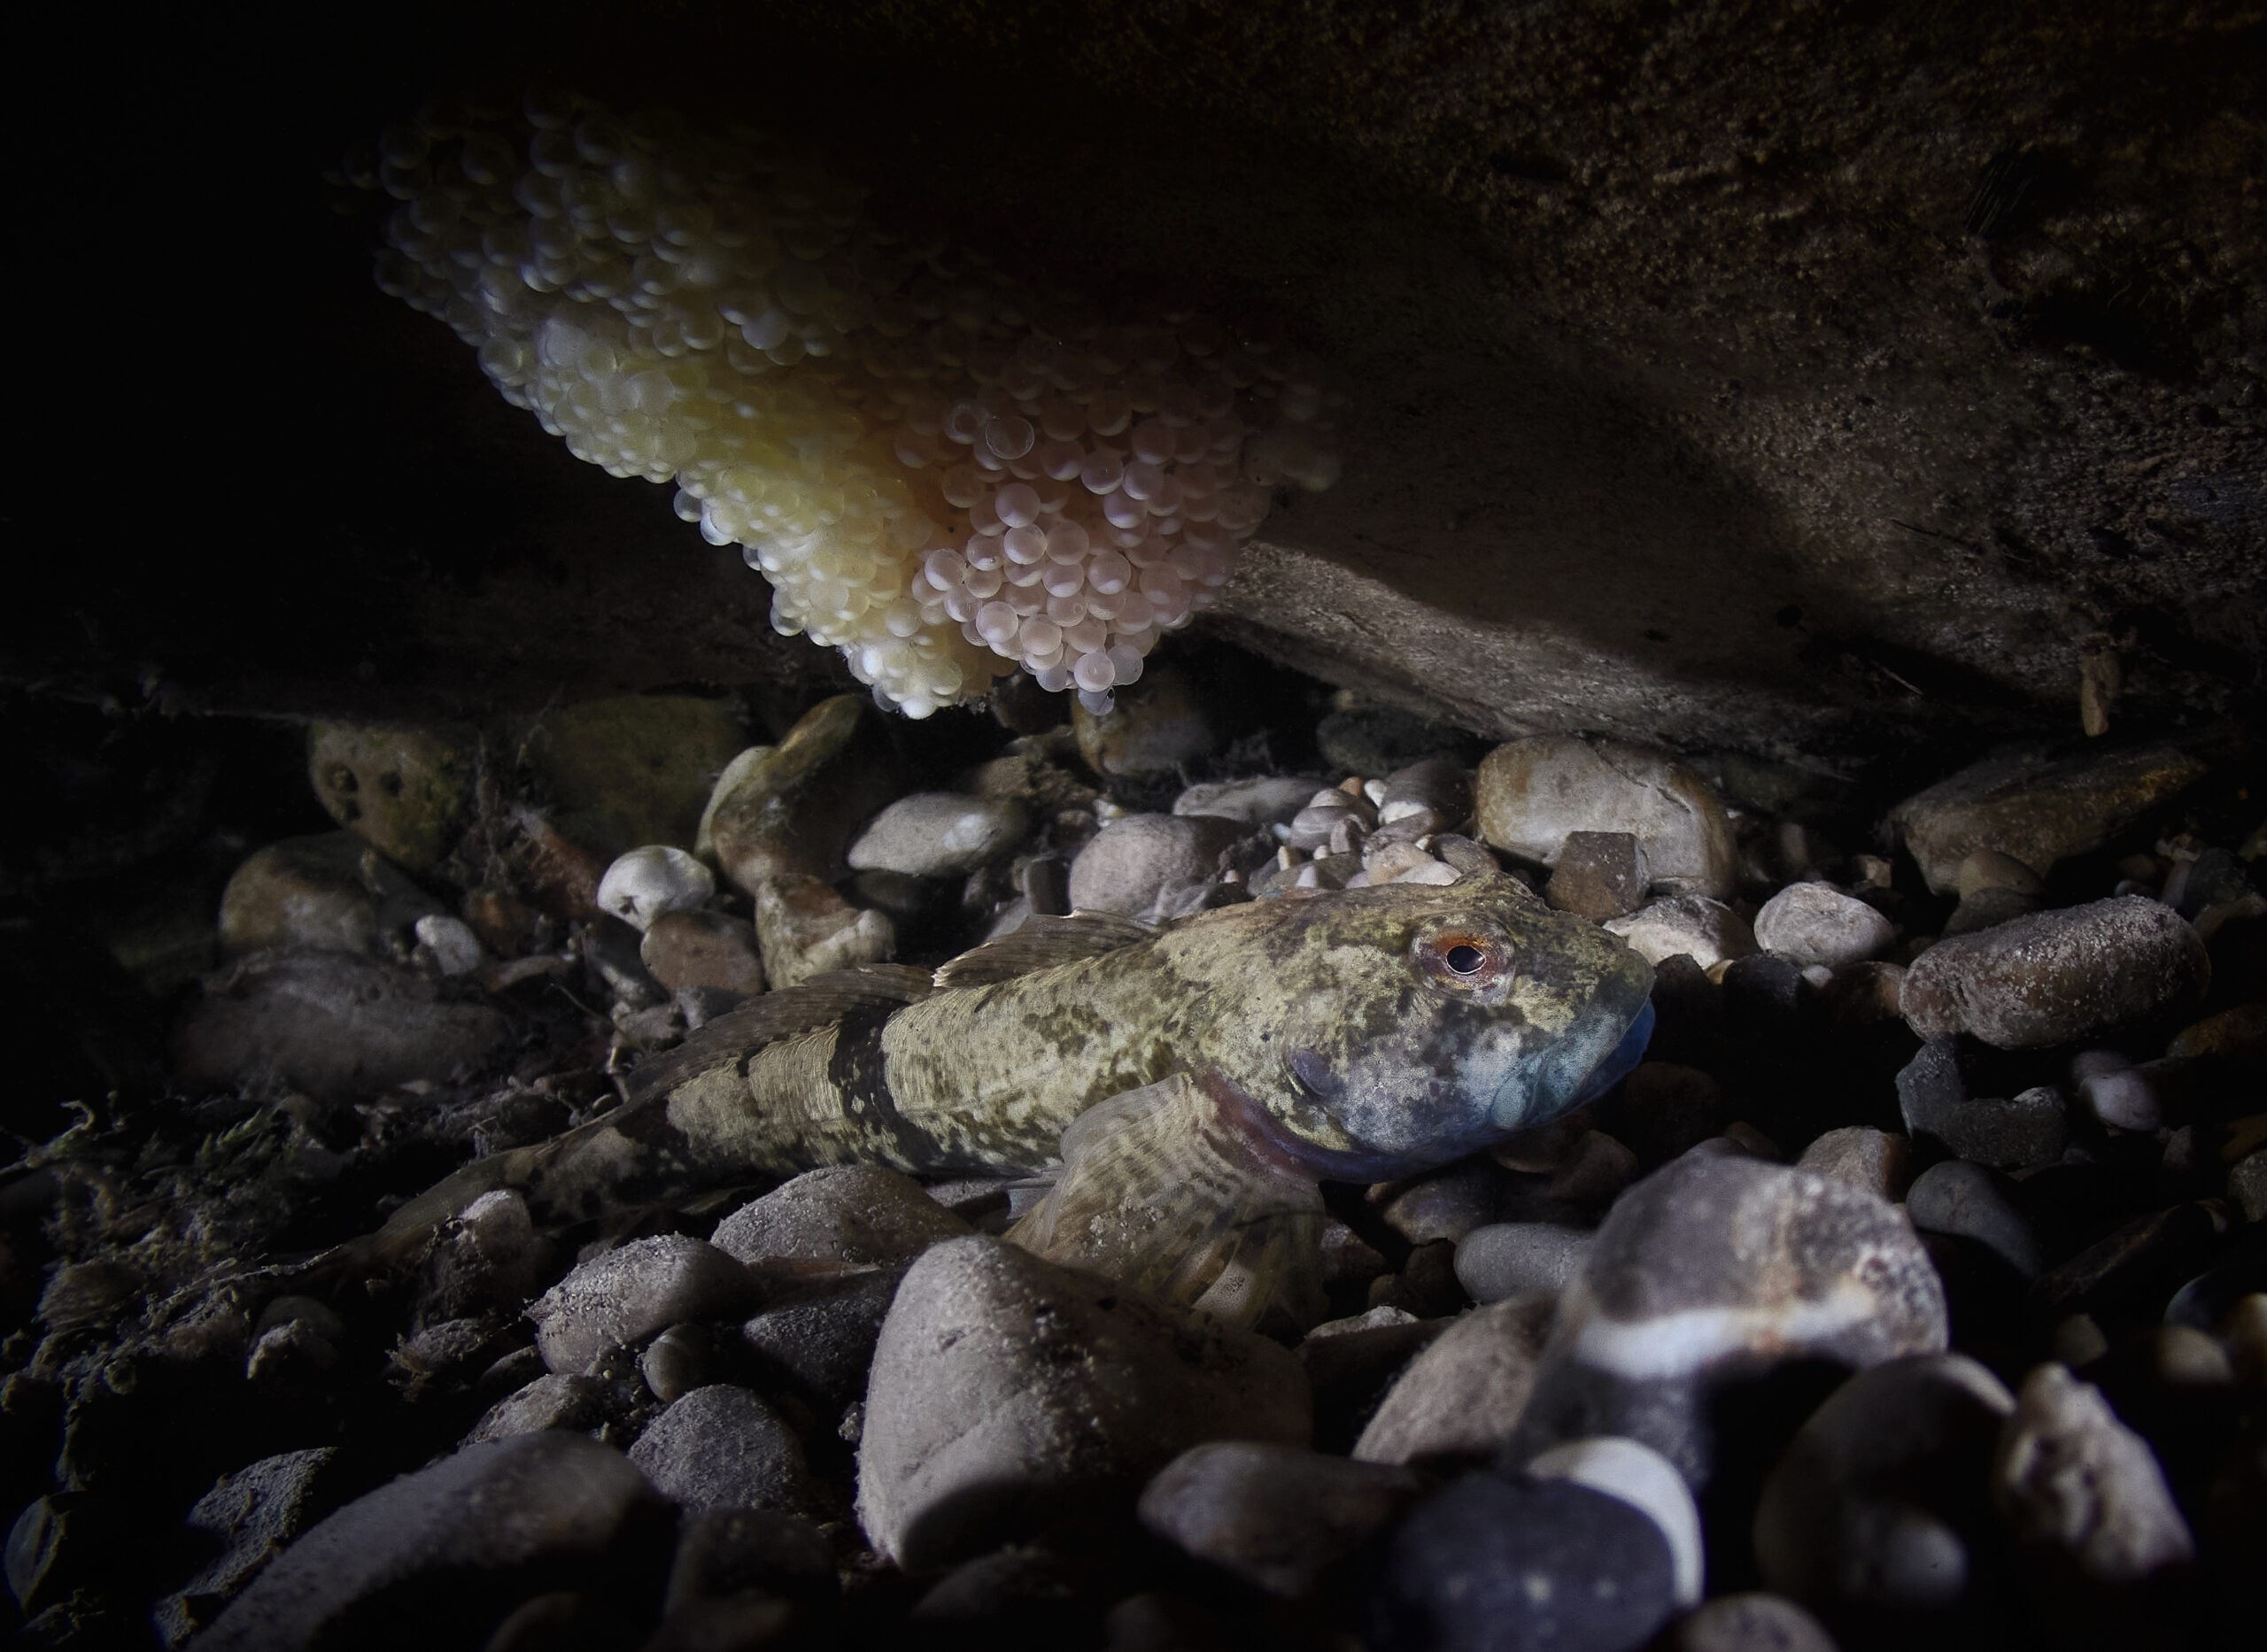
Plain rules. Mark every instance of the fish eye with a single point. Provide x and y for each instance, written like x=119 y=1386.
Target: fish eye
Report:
x=1465 y=959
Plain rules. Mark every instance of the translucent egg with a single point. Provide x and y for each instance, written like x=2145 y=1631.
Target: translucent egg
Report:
x=945 y=570
x=1025 y=545
x=964 y=422
x=1103 y=472
x=1110 y=412
x=1019 y=505
x=961 y=487
x=1068 y=542
x=1060 y=460
x=1009 y=436
x=1109 y=573
x=1153 y=440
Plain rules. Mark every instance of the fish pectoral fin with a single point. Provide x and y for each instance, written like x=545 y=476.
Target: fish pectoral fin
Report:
x=1159 y=1189
x=734 y=1036
x=1040 y=943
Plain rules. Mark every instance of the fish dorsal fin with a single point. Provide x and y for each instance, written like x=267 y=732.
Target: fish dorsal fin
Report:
x=820 y=1001
x=1039 y=943
x=1163 y=1190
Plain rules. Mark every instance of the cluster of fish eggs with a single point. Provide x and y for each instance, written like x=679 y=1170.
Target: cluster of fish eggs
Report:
x=940 y=474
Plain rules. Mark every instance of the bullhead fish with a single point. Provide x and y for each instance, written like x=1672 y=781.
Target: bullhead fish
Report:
x=1183 y=1090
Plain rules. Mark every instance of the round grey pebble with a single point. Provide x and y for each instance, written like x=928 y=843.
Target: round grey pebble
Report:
x=1749 y=1623
x=1816 y=924
x=1514 y=1258
x=1491 y=1562
x=721 y=1447
x=1969 y=1201
x=939 y=834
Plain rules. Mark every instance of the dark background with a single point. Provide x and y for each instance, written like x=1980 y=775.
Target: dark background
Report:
x=1816 y=379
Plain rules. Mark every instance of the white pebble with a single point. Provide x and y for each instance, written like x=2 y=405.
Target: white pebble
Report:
x=646 y=883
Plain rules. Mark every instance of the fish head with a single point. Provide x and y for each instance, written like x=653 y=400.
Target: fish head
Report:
x=1375 y=1032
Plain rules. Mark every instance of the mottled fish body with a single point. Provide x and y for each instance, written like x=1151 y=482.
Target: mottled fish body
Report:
x=1186 y=1089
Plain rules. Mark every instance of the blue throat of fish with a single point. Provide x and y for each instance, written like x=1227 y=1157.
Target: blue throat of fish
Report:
x=1580 y=1069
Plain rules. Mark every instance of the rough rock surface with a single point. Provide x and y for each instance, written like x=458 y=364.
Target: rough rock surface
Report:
x=719 y=1448
x=1275 y=1517
x=939 y=834
x=250 y=1516
x=1531 y=794
x=861 y=1215
x=471 y=1535
x=405 y=792
x=1880 y=1497
x=2035 y=809
x=1707 y=931
x=1461 y=1398
x=627 y=1294
x=2070 y=1477
x=331 y=1024
x=1816 y=924
x=328 y=893
x=1143 y=864
x=2058 y=976
x=1008 y=1393
x=565 y=1400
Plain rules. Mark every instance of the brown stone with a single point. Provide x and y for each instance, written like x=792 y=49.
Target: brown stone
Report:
x=633 y=770
x=803 y=928
x=2057 y=976
x=1530 y=795
x=1158 y=726
x=796 y=810
x=405 y=792
x=328 y=893
x=1865 y=1157
x=1601 y=874
x=702 y=949
x=2034 y=810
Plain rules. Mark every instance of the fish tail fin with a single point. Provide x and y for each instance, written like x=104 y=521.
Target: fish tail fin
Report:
x=1161 y=1190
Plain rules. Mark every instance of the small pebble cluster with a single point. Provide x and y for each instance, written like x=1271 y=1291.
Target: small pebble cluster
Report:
x=1915 y=1286
x=942 y=472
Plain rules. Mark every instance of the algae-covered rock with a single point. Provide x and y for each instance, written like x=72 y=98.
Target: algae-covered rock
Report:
x=1159 y=725
x=2038 y=811
x=405 y=792
x=329 y=892
x=634 y=770
x=794 y=809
